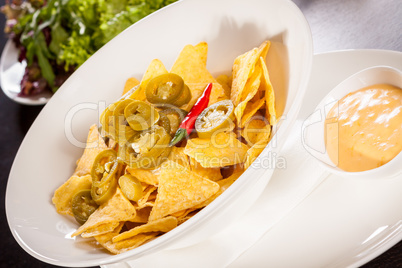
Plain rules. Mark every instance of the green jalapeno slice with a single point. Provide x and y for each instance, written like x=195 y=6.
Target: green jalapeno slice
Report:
x=83 y=206
x=107 y=121
x=140 y=115
x=122 y=130
x=103 y=174
x=145 y=149
x=184 y=98
x=164 y=122
x=175 y=117
x=165 y=88
x=131 y=187
x=217 y=116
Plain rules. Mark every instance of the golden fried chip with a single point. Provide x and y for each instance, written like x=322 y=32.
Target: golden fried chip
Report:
x=223 y=185
x=251 y=110
x=145 y=196
x=116 y=248
x=142 y=215
x=134 y=242
x=187 y=215
x=178 y=156
x=179 y=189
x=95 y=144
x=202 y=49
x=155 y=69
x=256 y=130
x=64 y=194
x=242 y=69
x=106 y=239
x=269 y=94
x=253 y=153
x=100 y=229
x=130 y=83
x=118 y=208
x=148 y=176
x=222 y=149
x=191 y=67
x=250 y=89
x=214 y=174
x=161 y=225
x=226 y=82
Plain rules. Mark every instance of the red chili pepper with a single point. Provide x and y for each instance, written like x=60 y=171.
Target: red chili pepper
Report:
x=187 y=125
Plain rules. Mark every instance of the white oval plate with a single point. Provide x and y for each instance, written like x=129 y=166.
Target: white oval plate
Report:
x=11 y=72
x=55 y=141
x=343 y=223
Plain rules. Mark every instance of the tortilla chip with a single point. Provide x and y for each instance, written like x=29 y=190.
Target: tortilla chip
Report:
x=202 y=49
x=146 y=193
x=130 y=83
x=179 y=189
x=223 y=149
x=95 y=144
x=214 y=174
x=242 y=69
x=155 y=69
x=251 y=110
x=253 y=153
x=178 y=156
x=226 y=82
x=64 y=194
x=142 y=215
x=192 y=68
x=256 y=130
x=223 y=185
x=249 y=91
x=269 y=94
x=161 y=225
x=106 y=240
x=148 y=176
x=134 y=242
x=109 y=214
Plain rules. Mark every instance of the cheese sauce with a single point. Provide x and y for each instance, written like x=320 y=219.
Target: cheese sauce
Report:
x=364 y=129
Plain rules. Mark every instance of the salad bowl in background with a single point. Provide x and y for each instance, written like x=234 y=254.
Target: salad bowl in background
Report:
x=11 y=73
x=56 y=140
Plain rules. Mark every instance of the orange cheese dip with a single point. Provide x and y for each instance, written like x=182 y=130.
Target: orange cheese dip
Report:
x=364 y=129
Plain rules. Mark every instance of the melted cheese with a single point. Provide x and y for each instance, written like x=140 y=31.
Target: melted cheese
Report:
x=364 y=129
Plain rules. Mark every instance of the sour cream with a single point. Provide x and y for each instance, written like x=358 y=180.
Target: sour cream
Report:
x=364 y=129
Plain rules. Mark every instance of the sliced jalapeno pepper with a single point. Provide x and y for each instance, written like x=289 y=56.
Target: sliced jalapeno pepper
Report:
x=184 y=98
x=104 y=165
x=140 y=115
x=107 y=121
x=83 y=206
x=175 y=117
x=103 y=173
x=145 y=149
x=164 y=122
x=165 y=88
x=218 y=116
x=122 y=130
x=131 y=187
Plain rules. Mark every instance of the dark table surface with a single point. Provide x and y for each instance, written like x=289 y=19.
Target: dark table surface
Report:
x=352 y=24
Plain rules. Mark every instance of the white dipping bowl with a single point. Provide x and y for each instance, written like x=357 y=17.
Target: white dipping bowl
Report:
x=46 y=158
x=313 y=127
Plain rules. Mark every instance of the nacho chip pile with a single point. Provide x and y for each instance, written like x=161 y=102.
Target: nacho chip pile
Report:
x=154 y=199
